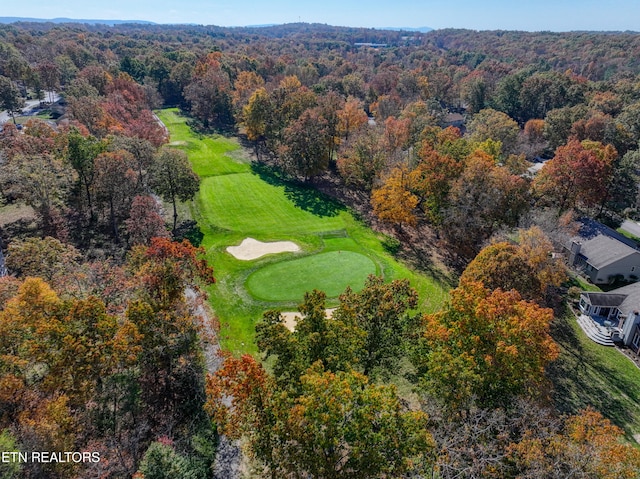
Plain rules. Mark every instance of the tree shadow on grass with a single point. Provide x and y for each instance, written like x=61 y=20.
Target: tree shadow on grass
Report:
x=303 y=196
x=581 y=379
x=189 y=230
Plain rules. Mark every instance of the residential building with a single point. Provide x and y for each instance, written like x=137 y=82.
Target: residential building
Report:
x=616 y=313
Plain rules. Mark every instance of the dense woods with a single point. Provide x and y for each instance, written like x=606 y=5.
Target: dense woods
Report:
x=428 y=138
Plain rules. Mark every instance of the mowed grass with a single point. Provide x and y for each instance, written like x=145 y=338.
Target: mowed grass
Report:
x=245 y=203
x=238 y=199
x=587 y=374
x=207 y=154
x=329 y=272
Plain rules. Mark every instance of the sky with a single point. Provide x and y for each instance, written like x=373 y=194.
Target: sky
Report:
x=530 y=15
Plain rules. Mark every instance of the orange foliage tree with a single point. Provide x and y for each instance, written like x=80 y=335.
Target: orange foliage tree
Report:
x=487 y=346
x=394 y=202
x=578 y=174
x=527 y=266
x=588 y=446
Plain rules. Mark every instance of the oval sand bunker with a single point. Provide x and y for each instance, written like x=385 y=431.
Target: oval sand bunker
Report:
x=253 y=249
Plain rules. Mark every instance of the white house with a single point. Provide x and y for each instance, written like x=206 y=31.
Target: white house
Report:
x=617 y=311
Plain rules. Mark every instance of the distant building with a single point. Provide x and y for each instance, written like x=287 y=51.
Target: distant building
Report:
x=536 y=165
x=453 y=119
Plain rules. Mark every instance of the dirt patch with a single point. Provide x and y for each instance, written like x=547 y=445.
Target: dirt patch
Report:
x=178 y=143
x=251 y=249
x=291 y=318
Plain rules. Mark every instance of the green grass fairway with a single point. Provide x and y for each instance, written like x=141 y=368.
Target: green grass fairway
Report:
x=330 y=272
x=240 y=198
x=245 y=203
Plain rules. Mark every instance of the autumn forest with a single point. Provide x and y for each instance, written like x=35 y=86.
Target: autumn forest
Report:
x=132 y=345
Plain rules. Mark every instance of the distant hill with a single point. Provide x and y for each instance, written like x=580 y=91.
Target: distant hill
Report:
x=5 y=20
x=407 y=29
x=72 y=20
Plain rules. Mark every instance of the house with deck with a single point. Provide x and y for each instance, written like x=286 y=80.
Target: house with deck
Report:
x=612 y=317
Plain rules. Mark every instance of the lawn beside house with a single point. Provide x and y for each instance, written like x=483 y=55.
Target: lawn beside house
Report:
x=587 y=374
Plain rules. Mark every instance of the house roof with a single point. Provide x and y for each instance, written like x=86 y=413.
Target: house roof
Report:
x=626 y=299
x=606 y=300
x=590 y=228
x=632 y=298
x=603 y=250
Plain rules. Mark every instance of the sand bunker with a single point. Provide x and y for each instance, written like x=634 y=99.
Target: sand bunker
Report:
x=253 y=249
x=291 y=318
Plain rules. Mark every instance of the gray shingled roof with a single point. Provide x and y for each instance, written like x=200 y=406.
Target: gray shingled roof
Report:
x=632 y=298
x=603 y=250
x=606 y=300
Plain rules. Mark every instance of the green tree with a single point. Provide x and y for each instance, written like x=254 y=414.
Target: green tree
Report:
x=507 y=95
x=161 y=461
x=337 y=425
x=172 y=178
x=494 y=125
x=11 y=469
x=379 y=312
x=558 y=124
x=10 y=98
x=363 y=434
x=81 y=154
x=545 y=91
x=307 y=144
x=334 y=342
x=623 y=188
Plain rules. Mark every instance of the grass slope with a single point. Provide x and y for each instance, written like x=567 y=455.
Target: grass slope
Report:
x=587 y=374
x=239 y=198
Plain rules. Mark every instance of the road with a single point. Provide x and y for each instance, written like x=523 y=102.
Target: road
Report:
x=30 y=107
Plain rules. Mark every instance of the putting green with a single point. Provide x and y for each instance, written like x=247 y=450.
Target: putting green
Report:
x=329 y=272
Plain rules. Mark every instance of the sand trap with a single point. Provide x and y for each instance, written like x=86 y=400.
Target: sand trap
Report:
x=291 y=318
x=253 y=249
x=178 y=143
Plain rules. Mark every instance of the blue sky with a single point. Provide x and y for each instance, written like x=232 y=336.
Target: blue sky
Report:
x=555 y=15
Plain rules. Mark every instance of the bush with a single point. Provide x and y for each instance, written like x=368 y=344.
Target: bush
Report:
x=391 y=244
x=161 y=461
x=574 y=292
